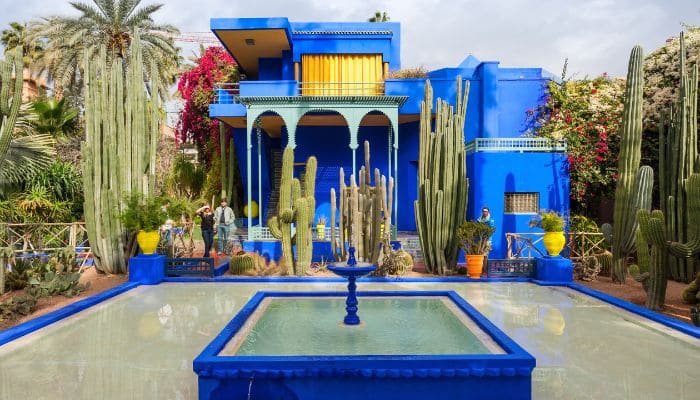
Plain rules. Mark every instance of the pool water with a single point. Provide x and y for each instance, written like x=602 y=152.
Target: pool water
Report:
x=140 y=345
x=390 y=326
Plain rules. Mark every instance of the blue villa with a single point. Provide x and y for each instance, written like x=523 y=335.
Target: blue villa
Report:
x=325 y=88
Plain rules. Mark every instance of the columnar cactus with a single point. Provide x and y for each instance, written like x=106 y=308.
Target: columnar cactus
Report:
x=10 y=97
x=678 y=159
x=122 y=125
x=298 y=207
x=7 y=256
x=650 y=268
x=634 y=185
x=228 y=166
x=442 y=179
x=364 y=212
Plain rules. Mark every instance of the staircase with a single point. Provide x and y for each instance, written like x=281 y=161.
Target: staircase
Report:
x=274 y=196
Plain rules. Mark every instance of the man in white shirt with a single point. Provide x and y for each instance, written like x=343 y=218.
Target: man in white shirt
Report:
x=223 y=220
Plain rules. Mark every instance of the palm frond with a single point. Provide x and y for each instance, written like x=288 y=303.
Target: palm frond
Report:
x=25 y=157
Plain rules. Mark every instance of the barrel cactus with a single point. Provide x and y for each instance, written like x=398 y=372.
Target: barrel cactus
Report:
x=240 y=263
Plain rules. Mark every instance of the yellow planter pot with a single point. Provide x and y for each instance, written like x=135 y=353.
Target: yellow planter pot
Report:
x=554 y=242
x=475 y=266
x=148 y=241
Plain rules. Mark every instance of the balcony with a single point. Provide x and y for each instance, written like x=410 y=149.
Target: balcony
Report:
x=228 y=93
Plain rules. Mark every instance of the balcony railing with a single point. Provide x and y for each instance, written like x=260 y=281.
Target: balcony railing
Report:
x=341 y=88
x=226 y=92
x=516 y=144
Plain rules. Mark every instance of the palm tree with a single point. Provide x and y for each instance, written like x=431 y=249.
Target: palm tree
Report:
x=16 y=36
x=108 y=24
x=52 y=117
x=379 y=17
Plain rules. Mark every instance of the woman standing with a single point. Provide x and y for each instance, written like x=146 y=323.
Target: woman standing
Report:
x=207 y=227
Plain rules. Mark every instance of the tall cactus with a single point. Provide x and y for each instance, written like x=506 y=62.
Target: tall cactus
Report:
x=229 y=167
x=678 y=159
x=364 y=209
x=295 y=206
x=122 y=126
x=442 y=179
x=7 y=256
x=650 y=269
x=10 y=97
x=634 y=185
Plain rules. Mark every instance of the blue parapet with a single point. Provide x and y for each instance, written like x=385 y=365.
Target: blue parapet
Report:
x=147 y=269
x=554 y=269
x=269 y=88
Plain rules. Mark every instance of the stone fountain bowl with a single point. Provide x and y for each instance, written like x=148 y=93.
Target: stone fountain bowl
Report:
x=358 y=270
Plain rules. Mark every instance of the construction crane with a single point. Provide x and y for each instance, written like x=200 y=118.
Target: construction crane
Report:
x=204 y=38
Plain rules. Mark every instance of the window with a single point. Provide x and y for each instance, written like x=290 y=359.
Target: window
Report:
x=521 y=203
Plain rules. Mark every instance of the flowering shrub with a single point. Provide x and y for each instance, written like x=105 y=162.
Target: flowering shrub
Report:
x=587 y=114
x=662 y=76
x=196 y=87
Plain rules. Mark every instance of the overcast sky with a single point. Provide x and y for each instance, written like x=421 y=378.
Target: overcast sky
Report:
x=595 y=35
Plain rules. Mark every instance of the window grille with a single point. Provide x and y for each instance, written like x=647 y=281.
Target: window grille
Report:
x=521 y=203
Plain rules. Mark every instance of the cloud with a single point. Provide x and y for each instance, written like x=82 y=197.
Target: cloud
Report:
x=596 y=36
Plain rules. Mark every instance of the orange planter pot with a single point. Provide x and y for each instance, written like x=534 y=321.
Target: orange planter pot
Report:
x=475 y=266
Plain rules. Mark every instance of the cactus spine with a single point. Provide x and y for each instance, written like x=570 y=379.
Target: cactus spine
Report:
x=442 y=179
x=363 y=211
x=298 y=207
x=122 y=125
x=634 y=185
x=678 y=159
x=10 y=98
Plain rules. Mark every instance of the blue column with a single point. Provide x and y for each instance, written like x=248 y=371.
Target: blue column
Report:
x=147 y=269
x=489 y=99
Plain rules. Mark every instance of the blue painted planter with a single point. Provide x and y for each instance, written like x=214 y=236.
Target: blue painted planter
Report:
x=483 y=376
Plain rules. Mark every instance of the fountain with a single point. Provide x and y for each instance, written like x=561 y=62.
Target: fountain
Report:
x=351 y=270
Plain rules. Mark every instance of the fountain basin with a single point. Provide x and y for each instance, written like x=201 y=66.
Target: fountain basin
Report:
x=309 y=355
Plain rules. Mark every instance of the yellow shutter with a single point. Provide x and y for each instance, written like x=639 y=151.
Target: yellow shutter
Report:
x=341 y=74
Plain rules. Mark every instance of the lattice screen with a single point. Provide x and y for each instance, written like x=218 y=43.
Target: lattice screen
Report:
x=521 y=203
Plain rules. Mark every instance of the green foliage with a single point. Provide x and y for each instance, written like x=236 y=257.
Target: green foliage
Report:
x=186 y=179
x=691 y=294
x=475 y=237
x=180 y=210
x=581 y=223
x=17 y=306
x=112 y=25
x=25 y=157
x=54 y=284
x=53 y=117
x=143 y=213
x=379 y=16
x=549 y=221
x=22 y=271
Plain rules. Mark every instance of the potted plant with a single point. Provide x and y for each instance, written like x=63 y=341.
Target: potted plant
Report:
x=144 y=215
x=475 y=239
x=321 y=227
x=553 y=225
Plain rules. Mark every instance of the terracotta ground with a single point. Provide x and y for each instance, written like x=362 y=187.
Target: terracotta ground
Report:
x=631 y=291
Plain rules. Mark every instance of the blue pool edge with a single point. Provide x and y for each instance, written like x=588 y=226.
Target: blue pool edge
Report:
x=30 y=326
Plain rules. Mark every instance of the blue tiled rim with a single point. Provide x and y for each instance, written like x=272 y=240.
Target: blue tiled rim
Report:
x=54 y=316
x=516 y=361
x=40 y=322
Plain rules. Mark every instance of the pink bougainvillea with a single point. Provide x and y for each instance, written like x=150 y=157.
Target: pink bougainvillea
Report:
x=196 y=87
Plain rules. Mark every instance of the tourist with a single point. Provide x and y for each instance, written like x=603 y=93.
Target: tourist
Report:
x=488 y=220
x=223 y=219
x=207 y=227
x=167 y=227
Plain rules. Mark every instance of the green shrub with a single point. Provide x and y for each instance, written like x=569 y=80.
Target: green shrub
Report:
x=475 y=237
x=143 y=213
x=581 y=223
x=549 y=221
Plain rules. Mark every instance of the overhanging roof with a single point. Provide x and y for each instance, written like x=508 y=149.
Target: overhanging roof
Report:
x=248 y=39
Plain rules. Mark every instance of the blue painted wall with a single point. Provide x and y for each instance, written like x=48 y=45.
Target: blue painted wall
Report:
x=492 y=174
x=270 y=69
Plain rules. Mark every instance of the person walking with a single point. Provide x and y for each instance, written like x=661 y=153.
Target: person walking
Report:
x=223 y=218
x=207 y=226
